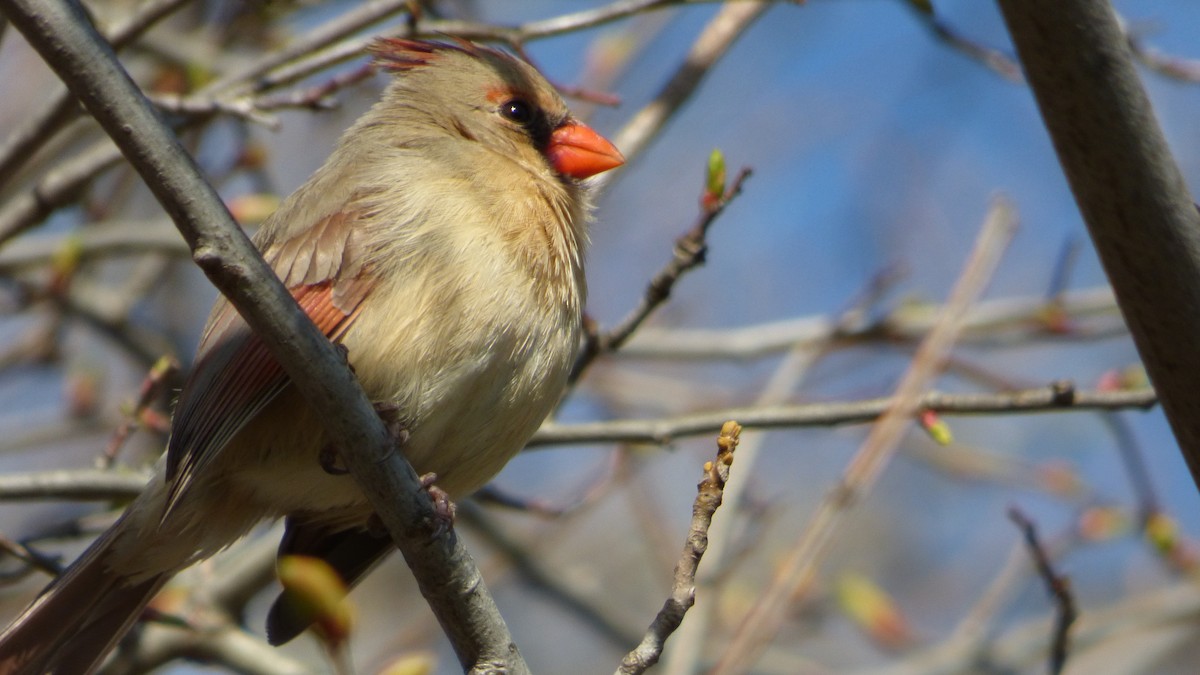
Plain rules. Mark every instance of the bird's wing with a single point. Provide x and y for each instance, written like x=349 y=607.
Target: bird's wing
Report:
x=235 y=376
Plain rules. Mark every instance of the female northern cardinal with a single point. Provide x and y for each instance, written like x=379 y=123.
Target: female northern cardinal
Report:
x=441 y=243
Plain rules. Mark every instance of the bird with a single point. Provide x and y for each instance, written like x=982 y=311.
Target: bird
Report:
x=441 y=245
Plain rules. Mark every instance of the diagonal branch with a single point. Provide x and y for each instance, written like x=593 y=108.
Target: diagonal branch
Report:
x=709 y=495
x=443 y=568
x=1129 y=189
x=797 y=574
x=690 y=251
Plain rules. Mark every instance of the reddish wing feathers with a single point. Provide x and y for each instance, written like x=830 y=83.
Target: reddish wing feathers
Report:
x=235 y=376
x=234 y=379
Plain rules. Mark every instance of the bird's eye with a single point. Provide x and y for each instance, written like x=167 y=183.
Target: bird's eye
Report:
x=519 y=111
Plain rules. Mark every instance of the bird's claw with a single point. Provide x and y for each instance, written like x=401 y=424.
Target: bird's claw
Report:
x=389 y=412
x=443 y=508
x=331 y=461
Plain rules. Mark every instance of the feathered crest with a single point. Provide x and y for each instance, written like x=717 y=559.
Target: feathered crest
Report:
x=402 y=54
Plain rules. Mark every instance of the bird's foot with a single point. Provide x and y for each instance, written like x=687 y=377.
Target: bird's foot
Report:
x=331 y=461
x=443 y=508
x=389 y=412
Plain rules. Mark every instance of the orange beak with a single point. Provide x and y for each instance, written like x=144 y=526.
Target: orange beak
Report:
x=575 y=150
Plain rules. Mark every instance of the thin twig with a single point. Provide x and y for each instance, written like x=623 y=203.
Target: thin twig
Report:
x=363 y=15
x=690 y=251
x=762 y=623
x=448 y=578
x=33 y=560
x=1057 y=397
x=728 y=533
x=1134 y=461
x=709 y=494
x=987 y=323
x=23 y=142
x=1178 y=68
x=98 y=240
x=150 y=390
x=77 y=484
x=994 y=59
x=721 y=32
x=320 y=54
x=1058 y=587
x=56 y=188
x=543 y=580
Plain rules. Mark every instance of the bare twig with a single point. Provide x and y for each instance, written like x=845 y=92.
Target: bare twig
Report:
x=1058 y=587
x=21 y=144
x=687 y=648
x=56 y=188
x=32 y=559
x=363 y=15
x=1186 y=70
x=317 y=55
x=1137 y=619
x=443 y=568
x=224 y=643
x=994 y=59
x=81 y=484
x=690 y=251
x=1056 y=397
x=987 y=323
x=317 y=96
x=541 y=579
x=714 y=41
x=105 y=485
x=864 y=470
x=98 y=240
x=710 y=492
x=148 y=393
x=1134 y=460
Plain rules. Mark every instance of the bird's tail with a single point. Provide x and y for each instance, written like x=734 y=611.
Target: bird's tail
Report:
x=80 y=616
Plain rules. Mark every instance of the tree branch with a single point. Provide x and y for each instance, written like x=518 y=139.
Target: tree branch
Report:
x=1133 y=198
x=709 y=494
x=1060 y=396
x=796 y=574
x=443 y=568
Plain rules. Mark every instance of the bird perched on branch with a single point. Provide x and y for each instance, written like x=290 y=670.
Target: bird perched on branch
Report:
x=442 y=245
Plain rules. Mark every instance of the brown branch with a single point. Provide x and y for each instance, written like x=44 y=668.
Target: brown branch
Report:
x=78 y=484
x=994 y=59
x=690 y=251
x=1058 y=587
x=721 y=32
x=1185 y=70
x=151 y=389
x=35 y=131
x=448 y=578
x=999 y=321
x=762 y=623
x=1133 y=197
x=542 y=579
x=683 y=592
x=1057 y=397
